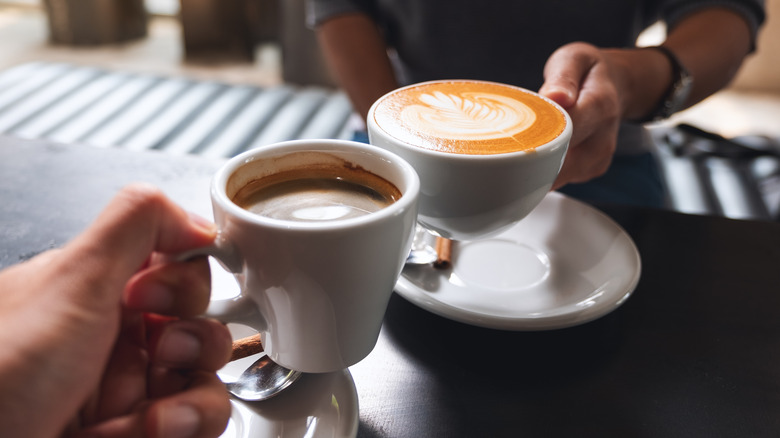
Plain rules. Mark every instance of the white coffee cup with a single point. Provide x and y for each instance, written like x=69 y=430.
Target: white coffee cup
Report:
x=316 y=291
x=467 y=196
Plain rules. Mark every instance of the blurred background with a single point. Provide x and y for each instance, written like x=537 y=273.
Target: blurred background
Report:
x=215 y=77
x=266 y=42
x=238 y=40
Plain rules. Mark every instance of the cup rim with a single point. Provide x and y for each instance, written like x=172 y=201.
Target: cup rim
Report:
x=562 y=140
x=407 y=199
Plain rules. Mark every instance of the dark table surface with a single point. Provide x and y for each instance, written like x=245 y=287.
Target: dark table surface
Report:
x=695 y=352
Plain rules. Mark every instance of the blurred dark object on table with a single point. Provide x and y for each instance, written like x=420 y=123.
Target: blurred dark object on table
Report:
x=707 y=173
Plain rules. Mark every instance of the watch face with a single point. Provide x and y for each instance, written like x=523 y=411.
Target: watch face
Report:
x=680 y=92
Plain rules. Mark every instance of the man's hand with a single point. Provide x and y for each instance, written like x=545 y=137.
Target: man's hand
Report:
x=578 y=77
x=100 y=336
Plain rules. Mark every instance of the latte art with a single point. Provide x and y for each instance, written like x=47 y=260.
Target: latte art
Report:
x=469 y=117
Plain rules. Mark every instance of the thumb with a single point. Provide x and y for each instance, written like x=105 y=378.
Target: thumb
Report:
x=138 y=221
x=564 y=73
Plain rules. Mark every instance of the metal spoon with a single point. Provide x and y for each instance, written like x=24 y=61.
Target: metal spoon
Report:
x=422 y=256
x=262 y=380
x=423 y=252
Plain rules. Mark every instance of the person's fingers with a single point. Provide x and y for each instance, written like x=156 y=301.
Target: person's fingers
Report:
x=158 y=365
x=176 y=289
x=123 y=384
x=197 y=343
x=594 y=137
x=137 y=222
x=584 y=162
x=592 y=144
x=595 y=110
x=126 y=426
x=202 y=411
x=565 y=71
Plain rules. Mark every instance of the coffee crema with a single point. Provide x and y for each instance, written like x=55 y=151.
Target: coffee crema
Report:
x=317 y=194
x=469 y=117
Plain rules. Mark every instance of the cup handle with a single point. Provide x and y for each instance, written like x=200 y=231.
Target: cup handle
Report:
x=221 y=249
x=240 y=309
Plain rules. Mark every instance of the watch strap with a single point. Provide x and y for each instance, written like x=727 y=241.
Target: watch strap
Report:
x=676 y=95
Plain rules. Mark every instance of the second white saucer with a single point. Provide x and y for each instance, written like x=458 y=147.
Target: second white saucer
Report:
x=564 y=264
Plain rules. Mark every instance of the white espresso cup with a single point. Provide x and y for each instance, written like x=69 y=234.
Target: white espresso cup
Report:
x=486 y=153
x=313 y=282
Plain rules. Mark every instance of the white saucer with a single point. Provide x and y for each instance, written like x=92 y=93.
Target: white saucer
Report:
x=315 y=406
x=564 y=264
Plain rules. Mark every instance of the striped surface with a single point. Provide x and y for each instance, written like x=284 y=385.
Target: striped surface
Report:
x=72 y=104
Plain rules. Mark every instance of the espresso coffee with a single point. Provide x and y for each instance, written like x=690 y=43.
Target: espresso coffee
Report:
x=317 y=193
x=469 y=117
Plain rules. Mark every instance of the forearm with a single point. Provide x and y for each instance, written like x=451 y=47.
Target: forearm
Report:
x=357 y=56
x=711 y=44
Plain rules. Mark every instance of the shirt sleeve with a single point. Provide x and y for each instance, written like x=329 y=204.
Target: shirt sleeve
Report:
x=751 y=10
x=319 y=11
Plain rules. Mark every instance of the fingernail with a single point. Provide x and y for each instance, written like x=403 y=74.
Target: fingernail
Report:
x=179 y=421
x=203 y=223
x=178 y=347
x=562 y=96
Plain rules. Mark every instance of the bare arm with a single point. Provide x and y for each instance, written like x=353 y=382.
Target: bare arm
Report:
x=357 y=56
x=601 y=87
x=710 y=43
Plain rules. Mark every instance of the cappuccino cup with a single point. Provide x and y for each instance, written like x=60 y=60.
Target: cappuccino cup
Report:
x=316 y=233
x=486 y=153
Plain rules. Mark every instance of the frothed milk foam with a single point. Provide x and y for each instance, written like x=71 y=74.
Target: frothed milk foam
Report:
x=469 y=117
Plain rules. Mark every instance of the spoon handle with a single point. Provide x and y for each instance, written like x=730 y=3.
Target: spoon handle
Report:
x=246 y=347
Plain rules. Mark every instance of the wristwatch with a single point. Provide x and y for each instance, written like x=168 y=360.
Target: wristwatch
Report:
x=678 y=92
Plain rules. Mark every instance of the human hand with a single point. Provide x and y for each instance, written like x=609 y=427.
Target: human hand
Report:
x=581 y=78
x=100 y=337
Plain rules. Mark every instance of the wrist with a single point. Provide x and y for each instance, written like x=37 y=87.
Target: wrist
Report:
x=643 y=78
x=676 y=94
